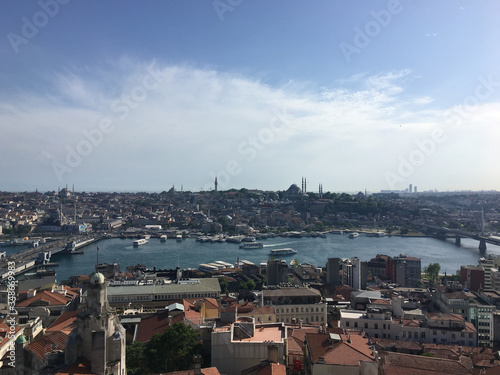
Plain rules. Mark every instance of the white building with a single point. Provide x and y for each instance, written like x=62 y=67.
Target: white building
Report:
x=435 y=328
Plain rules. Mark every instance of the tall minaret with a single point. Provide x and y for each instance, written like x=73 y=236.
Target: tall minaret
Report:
x=305 y=185
x=302 y=185
x=215 y=183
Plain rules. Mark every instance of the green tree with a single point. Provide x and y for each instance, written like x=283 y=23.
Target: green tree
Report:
x=432 y=270
x=223 y=284
x=136 y=361
x=173 y=350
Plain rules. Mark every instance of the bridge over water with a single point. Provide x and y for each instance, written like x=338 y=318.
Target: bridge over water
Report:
x=442 y=232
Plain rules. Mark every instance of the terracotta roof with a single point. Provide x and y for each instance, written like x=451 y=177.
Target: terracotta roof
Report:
x=396 y=344
x=80 y=367
x=204 y=371
x=269 y=368
x=4 y=328
x=52 y=298
x=44 y=345
x=64 y=323
x=157 y=323
x=444 y=316
x=341 y=352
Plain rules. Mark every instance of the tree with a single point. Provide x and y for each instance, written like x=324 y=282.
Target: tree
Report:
x=136 y=362
x=432 y=270
x=173 y=350
x=223 y=284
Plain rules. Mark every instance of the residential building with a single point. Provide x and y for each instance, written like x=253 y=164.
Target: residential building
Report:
x=435 y=328
x=404 y=270
x=242 y=344
x=295 y=304
x=332 y=353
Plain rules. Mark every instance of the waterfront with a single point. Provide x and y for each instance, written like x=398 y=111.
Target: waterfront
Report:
x=189 y=253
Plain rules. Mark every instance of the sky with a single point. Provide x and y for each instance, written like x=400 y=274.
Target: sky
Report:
x=352 y=95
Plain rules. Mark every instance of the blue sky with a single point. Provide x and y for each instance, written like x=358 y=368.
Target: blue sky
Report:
x=140 y=96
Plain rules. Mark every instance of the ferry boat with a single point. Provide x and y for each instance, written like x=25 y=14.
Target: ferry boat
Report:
x=163 y=238
x=140 y=242
x=235 y=239
x=353 y=235
x=178 y=238
x=282 y=252
x=252 y=245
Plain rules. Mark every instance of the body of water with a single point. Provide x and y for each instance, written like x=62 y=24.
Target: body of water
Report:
x=316 y=251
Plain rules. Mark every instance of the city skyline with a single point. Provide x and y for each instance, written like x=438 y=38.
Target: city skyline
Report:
x=377 y=95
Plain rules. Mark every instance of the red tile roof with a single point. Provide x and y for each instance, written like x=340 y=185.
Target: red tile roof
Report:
x=45 y=344
x=342 y=352
x=64 y=323
x=157 y=323
x=80 y=367
x=204 y=371
x=52 y=299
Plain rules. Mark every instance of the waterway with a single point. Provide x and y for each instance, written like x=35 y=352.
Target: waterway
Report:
x=316 y=251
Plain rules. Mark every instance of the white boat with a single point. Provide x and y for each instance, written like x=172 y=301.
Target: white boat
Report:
x=163 y=238
x=353 y=235
x=140 y=242
x=282 y=252
x=235 y=239
x=178 y=238
x=252 y=245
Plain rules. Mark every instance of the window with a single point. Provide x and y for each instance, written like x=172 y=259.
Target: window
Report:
x=347 y=324
x=376 y=325
x=366 y=325
x=422 y=335
x=404 y=333
x=355 y=324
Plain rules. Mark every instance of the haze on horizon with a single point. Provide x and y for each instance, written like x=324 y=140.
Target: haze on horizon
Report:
x=360 y=95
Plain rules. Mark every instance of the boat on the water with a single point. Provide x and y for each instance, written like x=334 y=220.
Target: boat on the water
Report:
x=282 y=252
x=353 y=235
x=139 y=242
x=178 y=238
x=252 y=245
x=163 y=238
x=375 y=234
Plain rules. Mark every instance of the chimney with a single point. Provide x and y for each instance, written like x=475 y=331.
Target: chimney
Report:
x=197 y=364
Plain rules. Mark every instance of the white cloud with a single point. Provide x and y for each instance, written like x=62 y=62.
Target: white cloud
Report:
x=196 y=121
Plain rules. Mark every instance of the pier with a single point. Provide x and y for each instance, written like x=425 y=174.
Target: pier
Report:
x=28 y=259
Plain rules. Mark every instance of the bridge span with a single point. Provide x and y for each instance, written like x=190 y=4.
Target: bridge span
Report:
x=483 y=239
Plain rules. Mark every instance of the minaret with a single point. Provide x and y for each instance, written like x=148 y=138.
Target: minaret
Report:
x=215 y=183
x=305 y=185
x=302 y=185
